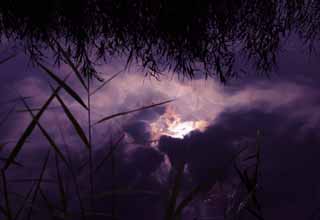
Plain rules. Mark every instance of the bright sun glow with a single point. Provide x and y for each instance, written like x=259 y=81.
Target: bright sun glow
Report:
x=171 y=124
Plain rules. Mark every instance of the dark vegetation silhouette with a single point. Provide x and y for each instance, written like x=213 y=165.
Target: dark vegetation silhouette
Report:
x=187 y=37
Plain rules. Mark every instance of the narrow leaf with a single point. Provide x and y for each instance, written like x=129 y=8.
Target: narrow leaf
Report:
x=47 y=136
x=35 y=194
x=6 y=196
x=106 y=82
x=187 y=200
x=34 y=109
x=25 y=201
x=110 y=152
x=73 y=176
x=255 y=214
x=7 y=115
x=71 y=64
x=14 y=100
x=13 y=162
x=62 y=193
x=29 y=130
x=66 y=87
x=132 y=111
x=74 y=122
x=254 y=156
x=7 y=58
x=258 y=147
x=49 y=205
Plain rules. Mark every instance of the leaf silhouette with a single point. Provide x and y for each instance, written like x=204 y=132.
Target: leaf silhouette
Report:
x=7 y=58
x=132 y=111
x=6 y=196
x=39 y=181
x=29 y=130
x=13 y=162
x=74 y=122
x=47 y=136
x=106 y=82
x=66 y=87
x=71 y=64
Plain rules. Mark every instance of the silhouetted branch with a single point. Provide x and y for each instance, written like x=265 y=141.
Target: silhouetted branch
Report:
x=187 y=37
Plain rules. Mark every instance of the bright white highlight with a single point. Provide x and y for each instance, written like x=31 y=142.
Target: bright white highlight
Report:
x=171 y=124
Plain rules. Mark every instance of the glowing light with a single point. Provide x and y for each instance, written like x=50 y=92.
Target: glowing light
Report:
x=171 y=124
x=181 y=129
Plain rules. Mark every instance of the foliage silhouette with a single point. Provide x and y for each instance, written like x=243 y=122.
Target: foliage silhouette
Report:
x=187 y=37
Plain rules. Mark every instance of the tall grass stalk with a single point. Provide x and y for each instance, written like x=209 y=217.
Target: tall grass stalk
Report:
x=90 y=144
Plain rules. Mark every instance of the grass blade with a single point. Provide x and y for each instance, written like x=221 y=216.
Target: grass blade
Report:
x=29 y=130
x=34 y=109
x=258 y=147
x=47 y=202
x=14 y=100
x=241 y=176
x=110 y=153
x=253 y=156
x=44 y=166
x=105 y=83
x=47 y=136
x=74 y=122
x=132 y=111
x=25 y=201
x=7 y=115
x=62 y=193
x=70 y=63
x=6 y=196
x=13 y=162
x=66 y=87
x=73 y=176
x=7 y=58
x=186 y=201
x=255 y=214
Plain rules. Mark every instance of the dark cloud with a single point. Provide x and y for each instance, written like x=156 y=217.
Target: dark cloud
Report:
x=150 y=114
x=139 y=131
x=290 y=149
x=289 y=158
x=146 y=160
x=175 y=148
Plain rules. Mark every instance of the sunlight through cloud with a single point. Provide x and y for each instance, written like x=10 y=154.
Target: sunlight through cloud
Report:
x=171 y=124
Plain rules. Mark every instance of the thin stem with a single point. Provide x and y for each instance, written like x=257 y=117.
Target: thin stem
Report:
x=90 y=143
x=73 y=175
x=6 y=196
x=113 y=182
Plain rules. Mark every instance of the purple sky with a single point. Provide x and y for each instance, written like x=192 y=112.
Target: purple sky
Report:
x=285 y=108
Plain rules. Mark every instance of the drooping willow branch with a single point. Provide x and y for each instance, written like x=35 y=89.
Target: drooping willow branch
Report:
x=188 y=37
